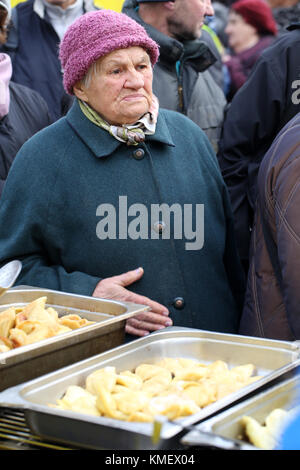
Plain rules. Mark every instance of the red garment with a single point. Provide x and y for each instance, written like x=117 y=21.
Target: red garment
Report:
x=257 y=13
x=241 y=64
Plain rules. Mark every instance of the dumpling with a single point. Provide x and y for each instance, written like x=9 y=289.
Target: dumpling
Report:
x=7 y=321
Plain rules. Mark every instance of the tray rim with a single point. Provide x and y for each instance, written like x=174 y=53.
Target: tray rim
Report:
x=131 y=310
x=205 y=428
x=12 y=397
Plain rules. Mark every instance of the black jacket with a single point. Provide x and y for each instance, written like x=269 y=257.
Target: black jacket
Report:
x=267 y=101
x=28 y=113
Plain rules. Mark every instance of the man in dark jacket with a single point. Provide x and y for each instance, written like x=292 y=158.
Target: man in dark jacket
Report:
x=23 y=112
x=182 y=79
x=268 y=100
x=273 y=296
x=35 y=33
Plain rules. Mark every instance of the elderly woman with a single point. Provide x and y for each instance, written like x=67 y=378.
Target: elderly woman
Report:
x=90 y=201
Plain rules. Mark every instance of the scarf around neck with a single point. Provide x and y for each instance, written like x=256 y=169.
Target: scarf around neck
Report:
x=5 y=76
x=131 y=134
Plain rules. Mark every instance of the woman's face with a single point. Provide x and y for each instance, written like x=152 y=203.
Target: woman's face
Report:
x=239 y=33
x=3 y=25
x=121 y=89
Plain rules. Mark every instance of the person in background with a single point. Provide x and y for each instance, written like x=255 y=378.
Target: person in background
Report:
x=23 y=112
x=285 y=13
x=183 y=77
x=36 y=29
x=98 y=189
x=261 y=108
x=250 y=29
x=272 y=300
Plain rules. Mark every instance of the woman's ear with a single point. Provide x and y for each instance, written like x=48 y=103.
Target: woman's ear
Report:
x=79 y=91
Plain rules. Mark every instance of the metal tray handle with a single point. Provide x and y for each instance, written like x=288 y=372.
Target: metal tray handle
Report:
x=208 y=439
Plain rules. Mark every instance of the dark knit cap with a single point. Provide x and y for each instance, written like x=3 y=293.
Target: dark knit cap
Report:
x=257 y=13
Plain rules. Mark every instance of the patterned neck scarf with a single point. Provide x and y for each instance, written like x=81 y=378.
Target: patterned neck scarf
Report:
x=131 y=134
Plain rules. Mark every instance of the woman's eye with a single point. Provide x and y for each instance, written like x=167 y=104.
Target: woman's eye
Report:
x=116 y=71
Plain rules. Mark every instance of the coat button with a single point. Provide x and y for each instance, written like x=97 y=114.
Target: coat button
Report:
x=138 y=154
x=159 y=227
x=179 y=303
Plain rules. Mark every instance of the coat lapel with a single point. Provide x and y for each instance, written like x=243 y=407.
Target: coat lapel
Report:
x=100 y=142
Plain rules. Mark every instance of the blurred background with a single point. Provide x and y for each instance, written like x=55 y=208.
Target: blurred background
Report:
x=111 y=4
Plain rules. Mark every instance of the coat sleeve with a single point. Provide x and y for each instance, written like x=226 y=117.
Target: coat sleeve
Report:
x=287 y=195
x=23 y=230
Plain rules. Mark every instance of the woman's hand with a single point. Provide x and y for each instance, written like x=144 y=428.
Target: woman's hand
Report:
x=142 y=324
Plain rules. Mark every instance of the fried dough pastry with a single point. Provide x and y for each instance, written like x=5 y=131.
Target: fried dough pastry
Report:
x=7 y=321
x=73 y=321
x=34 y=322
x=78 y=399
x=174 y=387
x=265 y=436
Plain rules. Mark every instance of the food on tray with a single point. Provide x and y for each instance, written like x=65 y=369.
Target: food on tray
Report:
x=173 y=387
x=266 y=436
x=20 y=326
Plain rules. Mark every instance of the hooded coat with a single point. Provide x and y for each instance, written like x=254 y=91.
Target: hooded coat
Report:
x=67 y=225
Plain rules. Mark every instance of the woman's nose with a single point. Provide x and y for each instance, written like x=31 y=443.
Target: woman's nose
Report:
x=134 y=79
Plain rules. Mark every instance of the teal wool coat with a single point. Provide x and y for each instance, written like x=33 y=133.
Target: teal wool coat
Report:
x=53 y=217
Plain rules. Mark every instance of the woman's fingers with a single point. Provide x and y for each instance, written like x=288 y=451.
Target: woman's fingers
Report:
x=145 y=322
x=115 y=288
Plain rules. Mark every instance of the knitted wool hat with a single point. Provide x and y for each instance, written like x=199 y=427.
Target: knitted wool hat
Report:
x=6 y=4
x=96 y=34
x=257 y=13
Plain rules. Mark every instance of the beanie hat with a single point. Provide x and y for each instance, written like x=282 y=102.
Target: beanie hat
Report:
x=6 y=4
x=96 y=34
x=257 y=13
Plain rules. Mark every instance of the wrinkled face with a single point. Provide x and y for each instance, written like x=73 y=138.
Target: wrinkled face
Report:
x=238 y=31
x=3 y=25
x=120 y=90
x=187 y=19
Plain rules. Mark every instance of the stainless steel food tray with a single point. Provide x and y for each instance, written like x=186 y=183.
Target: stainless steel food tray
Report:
x=272 y=358
x=28 y=362
x=224 y=431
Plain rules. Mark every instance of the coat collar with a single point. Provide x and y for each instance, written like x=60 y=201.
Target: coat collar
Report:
x=100 y=142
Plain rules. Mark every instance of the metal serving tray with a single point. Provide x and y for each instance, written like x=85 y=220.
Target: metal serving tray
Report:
x=272 y=358
x=28 y=362
x=224 y=430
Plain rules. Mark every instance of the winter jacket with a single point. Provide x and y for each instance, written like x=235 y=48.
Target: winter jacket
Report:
x=269 y=99
x=70 y=177
x=272 y=305
x=33 y=46
x=182 y=80
x=28 y=113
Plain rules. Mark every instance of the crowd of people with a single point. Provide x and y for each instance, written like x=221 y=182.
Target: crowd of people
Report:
x=151 y=156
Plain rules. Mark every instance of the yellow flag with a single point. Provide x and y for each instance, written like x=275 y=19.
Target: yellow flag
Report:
x=109 y=4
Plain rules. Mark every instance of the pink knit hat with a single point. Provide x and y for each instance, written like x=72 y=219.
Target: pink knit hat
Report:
x=96 y=34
